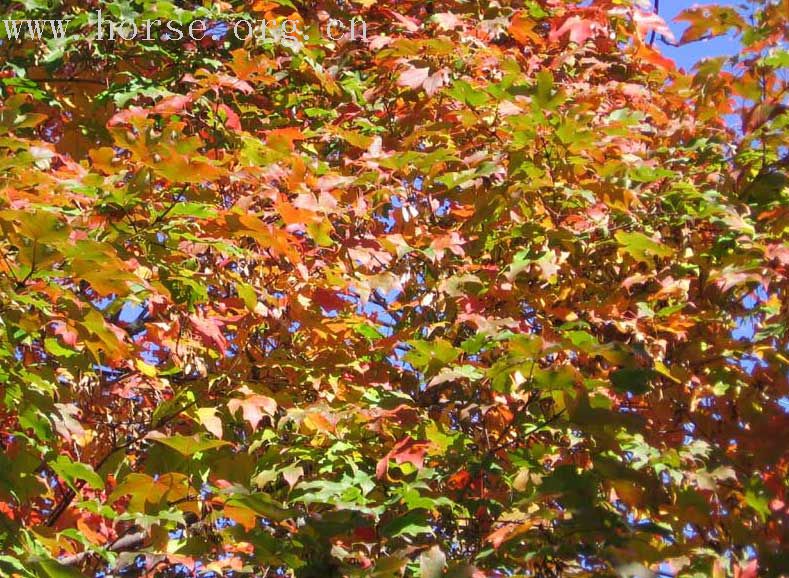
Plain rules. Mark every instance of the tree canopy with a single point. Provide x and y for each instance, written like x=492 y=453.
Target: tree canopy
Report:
x=499 y=291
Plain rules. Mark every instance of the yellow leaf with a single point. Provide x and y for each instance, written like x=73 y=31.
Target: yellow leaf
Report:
x=208 y=418
x=145 y=369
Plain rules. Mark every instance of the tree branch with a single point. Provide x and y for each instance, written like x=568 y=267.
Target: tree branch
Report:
x=70 y=81
x=71 y=494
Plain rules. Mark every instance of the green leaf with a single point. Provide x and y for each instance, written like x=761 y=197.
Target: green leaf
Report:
x=632 y=380
x=412 y=524
x=13 y=563
x=457 y=372
x=431 y=354
x=260 y=504
x=563 y=378
x=194 y=210
x=54 y=569
x=72 y=471
x=187 y=445
x=544 y=87
x=641 y=247
x=465 y=93
x=368 y=331
x=248 y=294
x=52 y=346
x=757 y=498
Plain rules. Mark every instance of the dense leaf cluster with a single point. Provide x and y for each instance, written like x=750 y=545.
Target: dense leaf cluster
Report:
x=499 y=292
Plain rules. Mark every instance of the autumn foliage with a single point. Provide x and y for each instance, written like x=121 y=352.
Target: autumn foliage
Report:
x=500 y=292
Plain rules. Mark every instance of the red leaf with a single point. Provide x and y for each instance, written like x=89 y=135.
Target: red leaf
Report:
x=69 y=334
x=173 y=104
x=406 y=450
x=329 y=300
x=434 y=82
x=126 y=116
x=233 y=121
x=365 y=534
x=750 y=570
x=411 y=24
x=459 y=480
x=227 y=81
x=217 y=81
x=413 y=77
x=580 y=29
x=210 y=329
x=709 y=21
x=8 y=510
x=778 y=252
x=649 y=21
x=498 y=537
x=447 y=20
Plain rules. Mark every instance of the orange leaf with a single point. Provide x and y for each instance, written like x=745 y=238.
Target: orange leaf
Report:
x=522 y=28
x=505 y=533
x=253 y=407
x=283 y=139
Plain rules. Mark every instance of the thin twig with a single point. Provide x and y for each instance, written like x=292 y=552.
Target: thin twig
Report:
x=71 y=494
x=70 y=80
x=654 y=33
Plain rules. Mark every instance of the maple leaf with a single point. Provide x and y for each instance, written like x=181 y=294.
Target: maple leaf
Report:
x=210 y=330
x=510 y=237
x=507 y=532
x=410 y=24
x=749 y=570
x=211 y=421
x=453 y=241
x=284 y=138
x=253 y=406
x=522 y=28
x=406 y=450
x=656 y=58
x=329 y=300
x=217 y=81
x=448 y=20
x=173 y=104
x=414 y=77
x=578 y=29
x=67 y=422
x=67 y=333
x=709 y=21
x=459 y=480
x=233 y=121
x=647 y=22
x=127 y=116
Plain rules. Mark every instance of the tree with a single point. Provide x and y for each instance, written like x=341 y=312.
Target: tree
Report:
x=500 y=291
